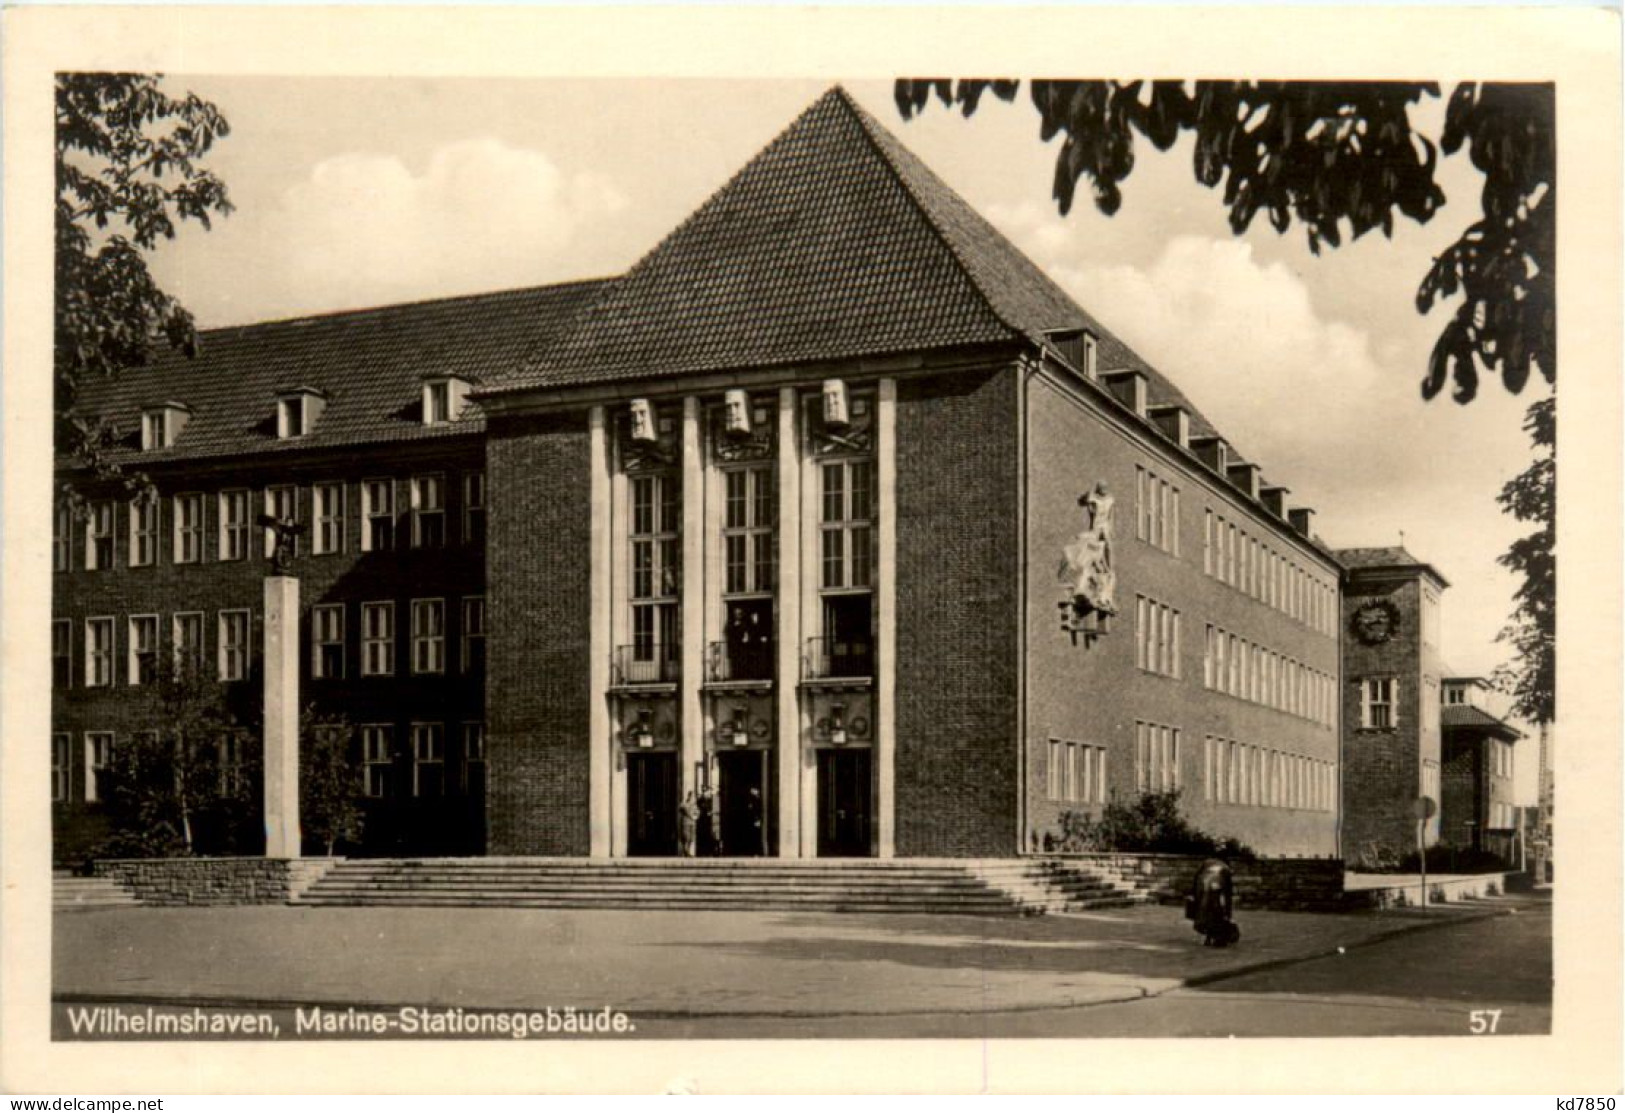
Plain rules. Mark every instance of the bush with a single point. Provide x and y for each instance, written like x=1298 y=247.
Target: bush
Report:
x=1152 y=824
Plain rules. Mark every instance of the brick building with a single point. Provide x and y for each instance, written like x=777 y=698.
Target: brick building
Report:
x=776 y=514
x=1476 y=808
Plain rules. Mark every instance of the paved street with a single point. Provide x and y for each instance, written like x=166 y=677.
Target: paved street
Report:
x=1138 y=971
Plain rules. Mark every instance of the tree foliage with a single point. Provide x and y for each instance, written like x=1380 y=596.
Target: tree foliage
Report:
x=128 y=174
x=1336 y=156
x=1531 y=679
x=329 y=780
x=1151 y=823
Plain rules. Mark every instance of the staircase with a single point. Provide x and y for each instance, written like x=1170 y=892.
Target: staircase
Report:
x=1003 y=887
x=68 y=891
x=1049 y=885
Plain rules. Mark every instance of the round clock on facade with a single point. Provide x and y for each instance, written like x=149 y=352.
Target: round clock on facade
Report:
x=1375 y=623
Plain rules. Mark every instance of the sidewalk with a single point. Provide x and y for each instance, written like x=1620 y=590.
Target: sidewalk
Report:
x=657 y=963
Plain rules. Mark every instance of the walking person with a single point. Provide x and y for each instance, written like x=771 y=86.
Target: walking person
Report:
x=1211 y=904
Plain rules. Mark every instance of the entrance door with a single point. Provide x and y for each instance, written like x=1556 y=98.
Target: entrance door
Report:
x=742 y=802
x=843 y=803
x=651 y=803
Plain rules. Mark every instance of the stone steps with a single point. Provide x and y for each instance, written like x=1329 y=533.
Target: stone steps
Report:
x=89 y=892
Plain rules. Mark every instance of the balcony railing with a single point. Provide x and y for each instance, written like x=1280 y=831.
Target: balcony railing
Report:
x=646 y=664
x=839 y=659
x=750 y=661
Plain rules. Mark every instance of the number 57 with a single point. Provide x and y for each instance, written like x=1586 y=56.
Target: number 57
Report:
x=1483 y=1021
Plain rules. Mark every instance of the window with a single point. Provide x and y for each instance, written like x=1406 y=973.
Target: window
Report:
x=228 y=766
x=153 y=431
x=98 y=652
x=846 y=524
x=747 y=531
x=143 y=648
x=378 y=515
x=1430 y=779
x=327 y=641
x=1157 y=516
x=290 y=417
x=143 y=532
x=329 y=510
x=233 y=525
x=282 y=503
x=1076 y=772
x=99 y=536
x=1157 y=637
x=436 y=403
x=377 y=742
x=377 y=639
x=474 y=508
x=428 y=512
x=188 y=529
x=61 y=771
x=98 y=762
x=1377 y=697
x=474 y=759
x=233 y=662
x=428 y=635
x=1156 y=757
x=472 y=653
x=189 y=641
x=1054 y=786
x=62 y=538
x=428 y=759
x=62 y=653
x=656 y=572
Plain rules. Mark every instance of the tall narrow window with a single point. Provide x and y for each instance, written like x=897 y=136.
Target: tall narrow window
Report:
x=377 y=755
x=436 y=403
x=329 y=500
x=234 y=525
x=282 y=503
x=98 y=762
x=188 y=528
x=62 y=653
x=233 y=657
x=1207 y=542
x=428 y=511
x=378 y=515
x=98 y=652
x=656 y=577
x=472 y=653
x=61 y=770
x=474 y=508
x=143 y=532
x=428 y=635
x=99 y=536
x=188 y=635
x=1377 y=703
x=327 y=641
x=377 y=639
x=474 y=760
x=62 y=538
x=143 y=648
x=428 y=759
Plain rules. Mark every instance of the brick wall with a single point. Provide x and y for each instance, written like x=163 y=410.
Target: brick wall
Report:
x=1463 y=786
x=450 y=824
x=1094 y=693
x=538 y=614
x=1281 y=884
x=957 y=521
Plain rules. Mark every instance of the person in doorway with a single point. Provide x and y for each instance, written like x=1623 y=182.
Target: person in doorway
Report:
x=714 y=825
x=687 y=817
x=1211 y=904
x=706 y=820
x=753 y=809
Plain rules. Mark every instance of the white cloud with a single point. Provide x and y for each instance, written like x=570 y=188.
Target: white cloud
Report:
x=481 y=215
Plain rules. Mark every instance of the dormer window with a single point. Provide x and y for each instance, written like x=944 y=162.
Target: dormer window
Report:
x=297 y=411
x=162 y=424
x=443 y=399
x=1079 y=348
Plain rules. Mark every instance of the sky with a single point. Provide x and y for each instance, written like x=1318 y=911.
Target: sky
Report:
x=357 y=192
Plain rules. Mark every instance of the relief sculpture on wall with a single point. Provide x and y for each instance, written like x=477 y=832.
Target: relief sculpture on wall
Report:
x=1086 y=570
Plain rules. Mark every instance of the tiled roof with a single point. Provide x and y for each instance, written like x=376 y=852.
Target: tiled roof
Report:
x=1462 y=716
x=370 y=363
x=1390 y=556
x=834 y=242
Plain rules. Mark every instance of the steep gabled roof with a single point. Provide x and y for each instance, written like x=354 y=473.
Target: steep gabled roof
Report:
x=370 y=363
x=834 y=242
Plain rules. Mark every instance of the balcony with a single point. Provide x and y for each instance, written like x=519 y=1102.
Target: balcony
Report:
x=730 y=662
x=839 y=659
x=645 y=664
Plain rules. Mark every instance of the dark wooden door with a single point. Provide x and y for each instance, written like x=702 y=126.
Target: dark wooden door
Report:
x=651 y=804
x=843 y=803
x=742 y=799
